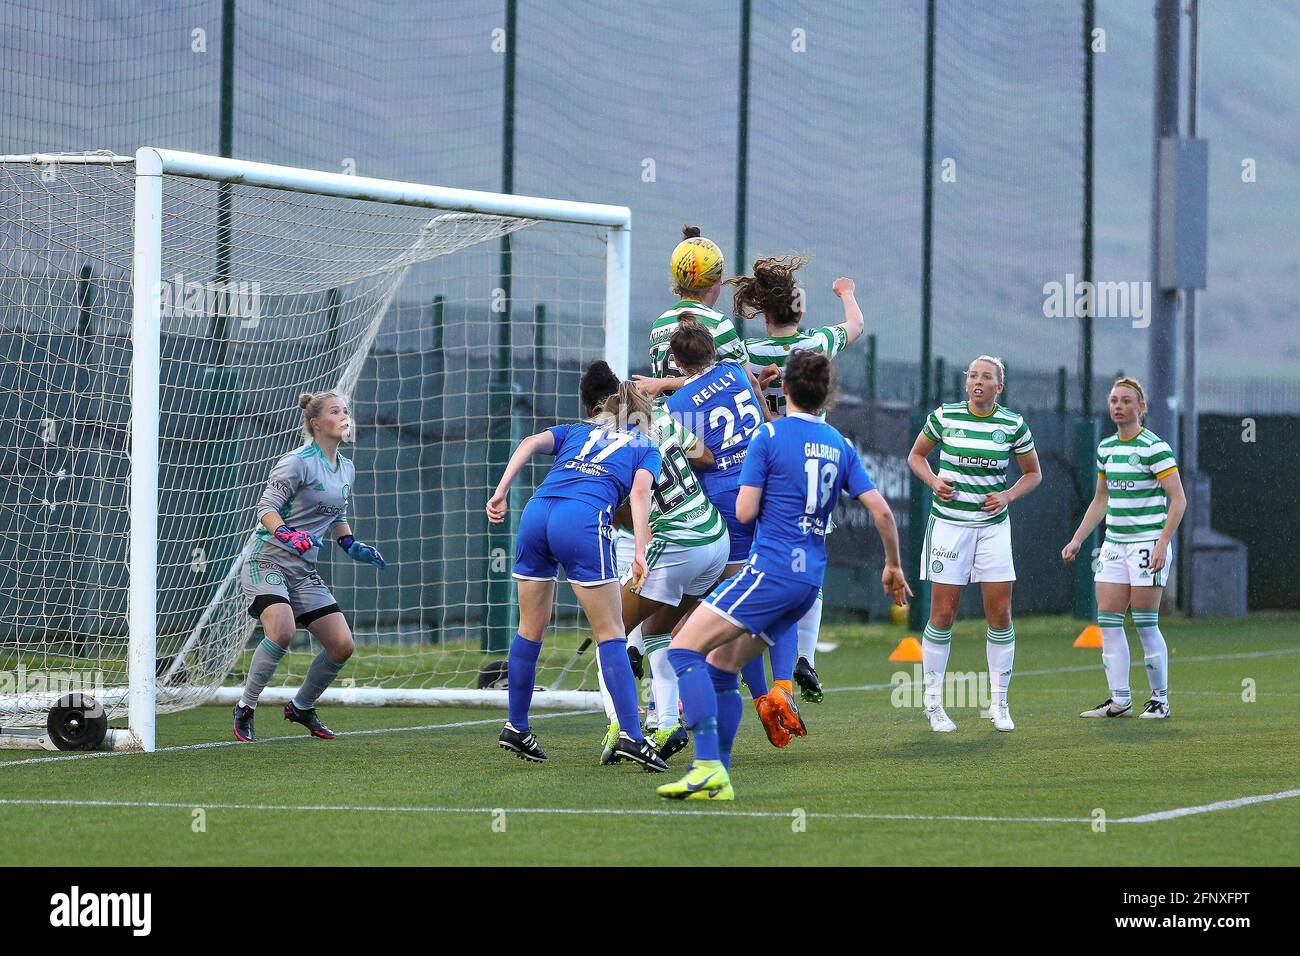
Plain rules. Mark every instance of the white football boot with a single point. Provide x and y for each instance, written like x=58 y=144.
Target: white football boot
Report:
x=940 y=722
x=1000 y=714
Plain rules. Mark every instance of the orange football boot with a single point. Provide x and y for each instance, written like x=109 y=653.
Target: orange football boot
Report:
x=777 y=735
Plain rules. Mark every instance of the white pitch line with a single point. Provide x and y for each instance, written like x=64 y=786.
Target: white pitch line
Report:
x=1157 y=817
x=1082 y=668
x=216 y=744
x=536 y=811
x=1210 y=807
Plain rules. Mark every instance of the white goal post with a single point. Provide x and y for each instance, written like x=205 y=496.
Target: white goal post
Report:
x=332 y=252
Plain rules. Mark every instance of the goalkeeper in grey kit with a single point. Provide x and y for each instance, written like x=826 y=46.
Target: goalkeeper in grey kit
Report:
x=305 y=503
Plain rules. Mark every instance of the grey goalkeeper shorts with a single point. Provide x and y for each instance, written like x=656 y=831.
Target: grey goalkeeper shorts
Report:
x=272 y=575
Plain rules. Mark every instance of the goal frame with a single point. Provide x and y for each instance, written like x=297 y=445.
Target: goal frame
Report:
x=152 y=164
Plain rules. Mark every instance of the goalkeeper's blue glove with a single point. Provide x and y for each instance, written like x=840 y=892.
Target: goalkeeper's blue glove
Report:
x=361 y=552
x=300 y=541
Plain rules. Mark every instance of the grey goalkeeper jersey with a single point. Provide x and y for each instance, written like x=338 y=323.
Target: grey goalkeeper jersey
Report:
x=308 y=494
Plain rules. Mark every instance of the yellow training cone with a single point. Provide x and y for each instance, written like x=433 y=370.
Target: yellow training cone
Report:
x=1090 y=636
x=907 y=651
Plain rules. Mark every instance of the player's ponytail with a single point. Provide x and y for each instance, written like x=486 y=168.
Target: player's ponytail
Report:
x=312 y=406
x=692 y=344
x=772 y=291
x=809 y=381
x=629 y=407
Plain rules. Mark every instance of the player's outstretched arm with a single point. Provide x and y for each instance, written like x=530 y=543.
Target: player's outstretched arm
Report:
x=497 y=505
x=892 y=580
x=653 y=386
x=918 y=461
x=1091 y=518
x=854 y=324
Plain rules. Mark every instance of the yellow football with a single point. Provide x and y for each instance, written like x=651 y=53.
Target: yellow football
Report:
x=696 y=264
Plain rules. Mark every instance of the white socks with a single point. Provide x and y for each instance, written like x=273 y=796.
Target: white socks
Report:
x=809 y=625
x=1114 y=656
x=664 y=680
x=1000 y=650
x=1155 y=652
x=935 y=645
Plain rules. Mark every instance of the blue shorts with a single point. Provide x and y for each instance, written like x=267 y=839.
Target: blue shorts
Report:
x=555 y=532
x=761 y=604
x=742 y=535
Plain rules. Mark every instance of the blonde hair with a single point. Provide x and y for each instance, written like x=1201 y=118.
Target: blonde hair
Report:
x=628 y=406
x=312 y=406
x=995 y=362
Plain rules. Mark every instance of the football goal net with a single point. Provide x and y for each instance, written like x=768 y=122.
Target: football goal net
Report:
x=159 y=317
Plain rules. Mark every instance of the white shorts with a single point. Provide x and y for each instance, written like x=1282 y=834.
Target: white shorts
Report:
x=1130 y=564
x=964 y=554
x=675 y=570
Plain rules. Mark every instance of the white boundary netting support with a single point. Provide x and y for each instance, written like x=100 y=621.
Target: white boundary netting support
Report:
x=162 y=315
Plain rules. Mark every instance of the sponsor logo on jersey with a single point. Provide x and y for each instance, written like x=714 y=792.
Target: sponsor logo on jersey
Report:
x=977 y=461
x=1121 y=484
x=587 y=468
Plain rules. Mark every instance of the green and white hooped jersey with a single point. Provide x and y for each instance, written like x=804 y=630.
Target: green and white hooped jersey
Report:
x=829 y=340
x=973 y=457
x=730 y=346
x=1137 y=506
x=679 y=511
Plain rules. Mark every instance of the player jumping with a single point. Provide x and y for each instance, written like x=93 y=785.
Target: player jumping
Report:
x=794 y=472
x=1141 y=496
x=773 y=293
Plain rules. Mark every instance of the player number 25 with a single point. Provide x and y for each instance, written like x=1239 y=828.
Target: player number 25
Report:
x=746 y=409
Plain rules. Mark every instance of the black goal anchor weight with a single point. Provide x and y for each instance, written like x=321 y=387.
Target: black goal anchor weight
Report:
x=77 y=722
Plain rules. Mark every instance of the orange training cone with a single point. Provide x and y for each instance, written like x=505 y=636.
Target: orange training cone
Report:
x=907 y=651
x=1090 y=636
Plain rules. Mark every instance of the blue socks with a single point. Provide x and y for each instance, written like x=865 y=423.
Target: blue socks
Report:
x=784 y=652
x=521 y=675
x=726 y=689
x=699 y=700
x=755 y=674
x=621 y=684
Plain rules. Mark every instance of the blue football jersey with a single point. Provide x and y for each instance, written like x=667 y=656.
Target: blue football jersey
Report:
x=803 y=466
x=720 y=408
x=597 y=464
